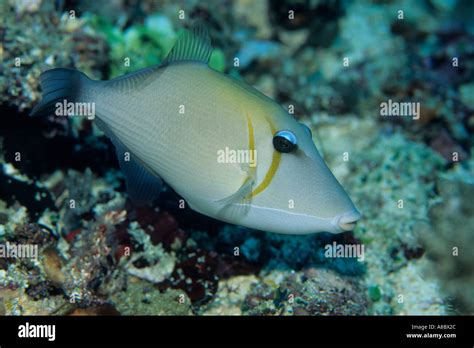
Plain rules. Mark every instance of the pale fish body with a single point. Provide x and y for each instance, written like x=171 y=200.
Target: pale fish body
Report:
x=175 y=120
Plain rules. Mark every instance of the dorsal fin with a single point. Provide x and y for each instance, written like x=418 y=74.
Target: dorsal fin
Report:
x=194 y=44
x=134 y=81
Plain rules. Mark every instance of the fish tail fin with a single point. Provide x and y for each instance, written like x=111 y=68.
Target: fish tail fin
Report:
x=58 y=85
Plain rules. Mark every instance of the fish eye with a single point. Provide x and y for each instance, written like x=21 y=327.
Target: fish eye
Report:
x=308 y=129
x=284 y=141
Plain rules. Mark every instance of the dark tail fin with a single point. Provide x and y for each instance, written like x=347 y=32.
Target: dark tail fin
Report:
x=57 y=85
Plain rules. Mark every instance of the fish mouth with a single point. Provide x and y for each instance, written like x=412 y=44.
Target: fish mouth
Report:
x=346 y=222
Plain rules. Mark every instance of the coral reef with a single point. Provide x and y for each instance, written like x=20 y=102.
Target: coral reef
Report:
x=46 y=38
x=402 y=196
x=141 y=298
x=448 y=241
x=312 y=292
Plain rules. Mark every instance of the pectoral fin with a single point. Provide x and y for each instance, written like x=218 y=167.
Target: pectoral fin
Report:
x=238 y=203
x=242 y=195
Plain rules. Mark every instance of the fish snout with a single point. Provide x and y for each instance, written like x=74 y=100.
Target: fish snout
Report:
x=347 y=221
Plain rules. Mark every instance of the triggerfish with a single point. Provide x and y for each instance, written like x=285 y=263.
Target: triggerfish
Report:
x=231 y=152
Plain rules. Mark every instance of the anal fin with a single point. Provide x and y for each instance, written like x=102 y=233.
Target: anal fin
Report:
x=142 y=185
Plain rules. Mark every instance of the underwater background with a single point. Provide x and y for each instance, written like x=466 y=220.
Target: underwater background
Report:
x=335 y=63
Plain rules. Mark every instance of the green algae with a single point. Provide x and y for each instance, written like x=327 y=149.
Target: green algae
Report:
x=142 y=45
x=374 y=293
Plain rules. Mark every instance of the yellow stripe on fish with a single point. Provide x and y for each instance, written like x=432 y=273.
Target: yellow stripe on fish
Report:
x=273 y=167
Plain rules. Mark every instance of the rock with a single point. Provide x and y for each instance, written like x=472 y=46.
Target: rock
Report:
x=142 y=298
x=254 y=14
x=310 y=292
x=52 y=265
